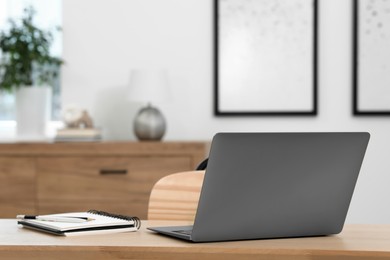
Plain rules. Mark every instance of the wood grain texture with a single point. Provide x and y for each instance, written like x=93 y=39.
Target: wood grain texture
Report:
x=176 y=196
x=58 y=177
x=78 y=183
x=196 y=150
x=355 y=242
x=17 y=186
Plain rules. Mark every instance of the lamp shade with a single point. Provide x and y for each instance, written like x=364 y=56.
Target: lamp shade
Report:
x=148 y=85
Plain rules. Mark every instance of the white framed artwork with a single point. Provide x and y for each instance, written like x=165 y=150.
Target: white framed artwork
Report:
x=371 y=59
x=265 y=57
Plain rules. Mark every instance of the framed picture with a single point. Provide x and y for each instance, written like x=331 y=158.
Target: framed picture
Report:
x=371 y=59
x=266 y=57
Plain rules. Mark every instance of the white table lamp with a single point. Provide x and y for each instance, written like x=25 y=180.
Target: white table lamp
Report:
x=149 y=86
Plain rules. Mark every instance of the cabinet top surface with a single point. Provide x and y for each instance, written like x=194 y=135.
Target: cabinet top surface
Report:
x=111 y=148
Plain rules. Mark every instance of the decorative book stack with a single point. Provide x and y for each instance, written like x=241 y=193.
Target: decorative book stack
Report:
x=78 y=135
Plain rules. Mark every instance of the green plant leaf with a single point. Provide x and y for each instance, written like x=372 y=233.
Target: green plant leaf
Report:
x=26 y=58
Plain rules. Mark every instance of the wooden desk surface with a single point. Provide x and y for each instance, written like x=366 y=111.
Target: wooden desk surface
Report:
x=355 y=242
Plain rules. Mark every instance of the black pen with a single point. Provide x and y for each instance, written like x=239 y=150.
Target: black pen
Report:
x=56 y=218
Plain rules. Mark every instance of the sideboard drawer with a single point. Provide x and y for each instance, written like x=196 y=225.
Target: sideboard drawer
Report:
x=17 y=186
x=104 y=182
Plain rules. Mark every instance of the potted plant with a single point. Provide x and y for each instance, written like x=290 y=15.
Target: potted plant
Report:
x=28 y=69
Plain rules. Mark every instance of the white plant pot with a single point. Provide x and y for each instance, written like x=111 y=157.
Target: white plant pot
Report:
x=33 y=107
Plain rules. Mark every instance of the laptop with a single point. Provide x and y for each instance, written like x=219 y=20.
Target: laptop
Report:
x=275 y=185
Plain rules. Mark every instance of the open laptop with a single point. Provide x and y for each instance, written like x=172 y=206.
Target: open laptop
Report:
x=273 y=185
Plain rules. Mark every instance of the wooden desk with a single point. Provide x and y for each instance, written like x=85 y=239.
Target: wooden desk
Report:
x=355 y=242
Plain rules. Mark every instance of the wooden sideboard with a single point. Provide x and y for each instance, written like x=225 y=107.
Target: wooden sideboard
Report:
x=43 y=178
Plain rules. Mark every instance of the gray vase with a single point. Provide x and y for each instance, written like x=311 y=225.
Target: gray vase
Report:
x=149 y=124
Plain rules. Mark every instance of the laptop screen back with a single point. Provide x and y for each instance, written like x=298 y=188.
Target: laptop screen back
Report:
x=263 y=185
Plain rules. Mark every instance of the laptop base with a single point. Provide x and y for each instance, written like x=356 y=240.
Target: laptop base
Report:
x=174 y=231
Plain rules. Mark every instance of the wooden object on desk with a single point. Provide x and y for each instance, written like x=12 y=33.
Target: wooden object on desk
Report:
x=176 y=196
x=355 y=242
x=43 y=178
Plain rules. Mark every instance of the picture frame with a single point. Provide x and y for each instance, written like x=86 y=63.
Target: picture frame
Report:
x=265 y=57
x=371 y=58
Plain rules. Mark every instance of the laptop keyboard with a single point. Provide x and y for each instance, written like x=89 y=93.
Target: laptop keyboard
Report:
x=185 y=232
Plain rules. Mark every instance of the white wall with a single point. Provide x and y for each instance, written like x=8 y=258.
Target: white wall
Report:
x=104 y=40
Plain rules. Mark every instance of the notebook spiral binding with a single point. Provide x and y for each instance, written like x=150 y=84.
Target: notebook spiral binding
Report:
x=137 y=221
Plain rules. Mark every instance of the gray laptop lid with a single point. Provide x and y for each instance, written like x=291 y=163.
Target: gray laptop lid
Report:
x=263 y=185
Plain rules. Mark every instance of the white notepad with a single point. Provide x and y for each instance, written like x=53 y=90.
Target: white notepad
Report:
x=101 y=223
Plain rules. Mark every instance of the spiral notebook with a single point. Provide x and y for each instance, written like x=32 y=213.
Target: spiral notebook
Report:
x=98 y=222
